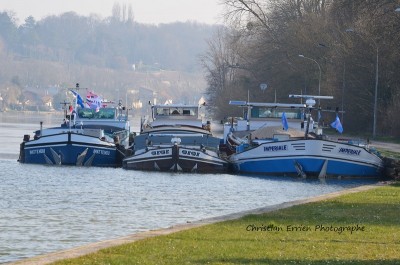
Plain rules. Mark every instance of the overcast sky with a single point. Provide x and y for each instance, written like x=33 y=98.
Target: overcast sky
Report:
x=145 y=11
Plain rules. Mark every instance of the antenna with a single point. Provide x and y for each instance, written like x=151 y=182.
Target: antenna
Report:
x=64 y=107
x=310 y=99
x=310 y=96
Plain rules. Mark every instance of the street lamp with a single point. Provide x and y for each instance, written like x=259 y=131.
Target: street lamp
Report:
x=319 y=79
x=319 y=84
x=376 y=82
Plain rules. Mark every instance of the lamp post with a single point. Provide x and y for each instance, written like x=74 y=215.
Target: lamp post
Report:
x=376 y=91
x=319 y=79
x=319 y=84
x=376 y=82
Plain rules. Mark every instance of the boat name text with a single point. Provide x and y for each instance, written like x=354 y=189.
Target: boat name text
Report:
x=160 y=152
x=37 y=151
x=275 y=148
x=101 y=152
x=190 y=153
x=350 y=151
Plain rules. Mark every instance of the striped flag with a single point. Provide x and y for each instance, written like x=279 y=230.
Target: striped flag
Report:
x=79 y=99
x=94 y=101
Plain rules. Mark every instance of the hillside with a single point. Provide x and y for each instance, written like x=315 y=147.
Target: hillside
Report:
x=113 y=56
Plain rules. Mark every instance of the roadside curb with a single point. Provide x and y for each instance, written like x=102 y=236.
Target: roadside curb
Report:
x=93 y=247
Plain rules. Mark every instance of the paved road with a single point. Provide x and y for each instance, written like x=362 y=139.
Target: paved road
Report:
x=386 y=146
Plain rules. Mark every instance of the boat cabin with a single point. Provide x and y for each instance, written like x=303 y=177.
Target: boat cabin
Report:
x=103 y=113
x=265 y=112
x=176 y=115
x=257 y=115
x=178 y=111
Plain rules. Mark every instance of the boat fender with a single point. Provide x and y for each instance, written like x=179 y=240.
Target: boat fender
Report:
x=21 y=158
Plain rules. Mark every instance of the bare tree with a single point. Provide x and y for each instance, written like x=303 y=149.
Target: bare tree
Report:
x=116 y=12
x=221 y=63
x=273 y=33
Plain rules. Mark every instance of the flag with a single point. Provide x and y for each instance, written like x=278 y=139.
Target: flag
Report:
x=284 y=122
x=94 y=101
x=337 y=124
x=79 y=99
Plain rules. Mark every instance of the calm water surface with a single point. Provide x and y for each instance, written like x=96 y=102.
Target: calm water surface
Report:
x=48 y=208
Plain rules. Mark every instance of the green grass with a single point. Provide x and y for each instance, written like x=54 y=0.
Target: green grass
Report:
x=376 y=210
x=387 y=153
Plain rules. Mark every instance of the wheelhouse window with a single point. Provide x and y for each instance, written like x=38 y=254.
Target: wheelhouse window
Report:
x=176 y=111
x=102 y=113
x=267 y=112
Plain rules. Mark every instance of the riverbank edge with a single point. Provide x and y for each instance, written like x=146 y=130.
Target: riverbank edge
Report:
x=94 y=247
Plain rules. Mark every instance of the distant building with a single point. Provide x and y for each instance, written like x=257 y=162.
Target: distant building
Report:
x=2 y=107
x=139 y=99
x=48 y=102
x=30 y=100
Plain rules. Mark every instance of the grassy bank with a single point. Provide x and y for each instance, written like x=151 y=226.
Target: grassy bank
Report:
x=390 y=154
x=358 y=228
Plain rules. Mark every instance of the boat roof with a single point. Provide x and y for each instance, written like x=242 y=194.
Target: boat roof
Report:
x=181 y=128
x=176 y=106
x=270 y=105
x=310 y=102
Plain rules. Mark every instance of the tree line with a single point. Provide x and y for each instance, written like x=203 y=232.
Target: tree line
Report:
x=117 y=42
x=106 y=54
x=345 y=49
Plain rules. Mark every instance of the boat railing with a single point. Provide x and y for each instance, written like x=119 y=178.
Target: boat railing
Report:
x=198 y=146
x=177 y=135
x=356 y=142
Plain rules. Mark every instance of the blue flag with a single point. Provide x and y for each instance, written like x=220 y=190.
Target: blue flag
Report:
x=337 y=125
x=284 y=122
x=79 y=99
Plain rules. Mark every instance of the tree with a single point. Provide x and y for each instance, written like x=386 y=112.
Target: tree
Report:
x=222 y=64
x=8 y=29
x=273 y=33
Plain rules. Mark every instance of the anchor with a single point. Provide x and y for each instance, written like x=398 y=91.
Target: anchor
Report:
x=194 y=169
x=89 y=162
x=299 y=169
x=56 y=157
x=81 y=157
x=322 y=173
x=48 y=161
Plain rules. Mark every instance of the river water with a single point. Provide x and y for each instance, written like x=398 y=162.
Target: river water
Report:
x=49 y=208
